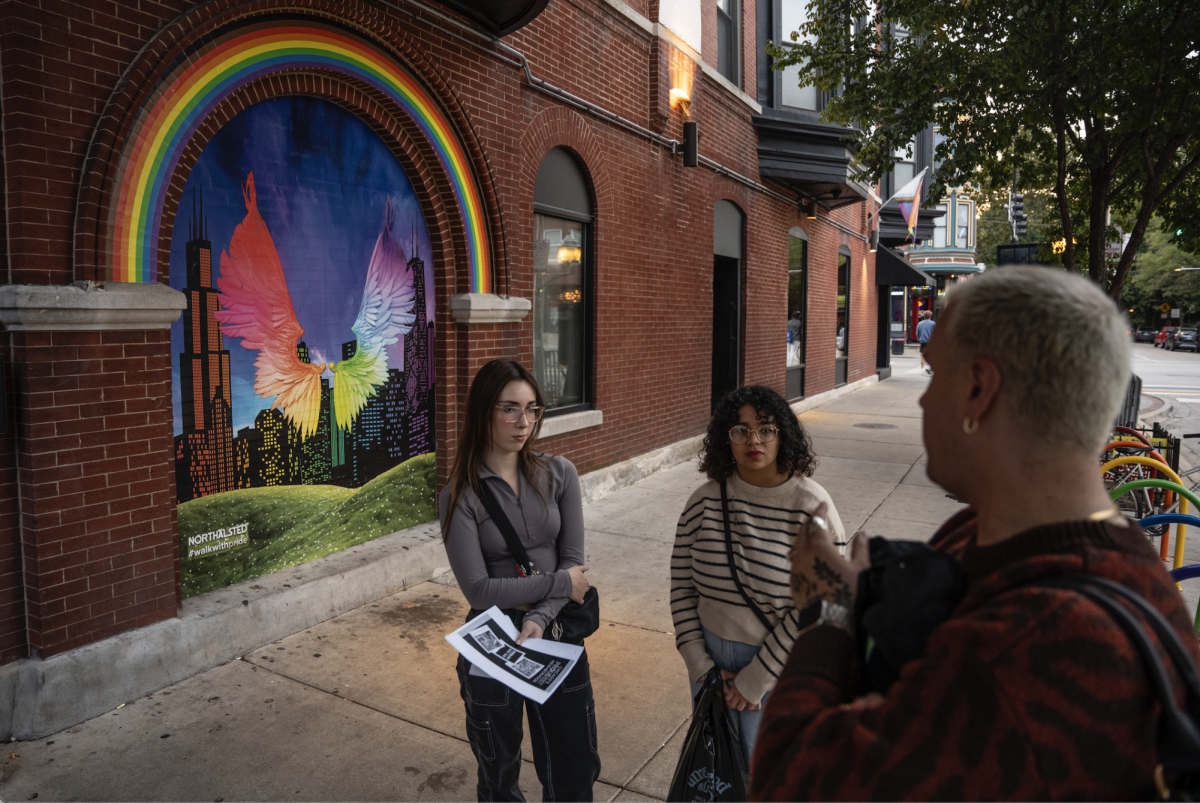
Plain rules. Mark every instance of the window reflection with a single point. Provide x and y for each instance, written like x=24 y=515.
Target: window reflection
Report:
x=558 y=309
x=843 y=305
x=797 y=258
x=963 y=226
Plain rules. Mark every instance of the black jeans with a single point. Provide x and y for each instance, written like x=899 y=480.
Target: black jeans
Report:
x=562 y=733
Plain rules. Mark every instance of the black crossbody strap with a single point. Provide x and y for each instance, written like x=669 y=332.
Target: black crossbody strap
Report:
x=492 y=505
x=733 y=568
x=1179 y=736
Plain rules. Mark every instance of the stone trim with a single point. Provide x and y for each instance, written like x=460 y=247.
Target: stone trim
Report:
x=665 y=33
x=87 y=306
x=560 y=424
x=469 y=308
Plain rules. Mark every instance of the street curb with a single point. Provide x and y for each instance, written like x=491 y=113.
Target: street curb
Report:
x=42 y=697
x=1158 y=413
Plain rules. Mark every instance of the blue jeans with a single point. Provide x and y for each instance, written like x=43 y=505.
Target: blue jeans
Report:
x=733 y=656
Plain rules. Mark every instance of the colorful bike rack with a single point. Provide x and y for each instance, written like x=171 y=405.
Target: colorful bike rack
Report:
x=1186 y=495
x=1180 y=528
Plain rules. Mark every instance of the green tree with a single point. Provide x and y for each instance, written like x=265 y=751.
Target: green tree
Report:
x=1155 y=278
x=1097 y=100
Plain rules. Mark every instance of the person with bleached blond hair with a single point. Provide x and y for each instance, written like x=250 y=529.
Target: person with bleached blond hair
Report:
x=1025 y=687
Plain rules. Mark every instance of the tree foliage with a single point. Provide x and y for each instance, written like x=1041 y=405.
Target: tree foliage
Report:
x=1155 y=278
x=1098 y=100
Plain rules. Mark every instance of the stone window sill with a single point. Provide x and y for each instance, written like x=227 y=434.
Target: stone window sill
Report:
x=561 y=424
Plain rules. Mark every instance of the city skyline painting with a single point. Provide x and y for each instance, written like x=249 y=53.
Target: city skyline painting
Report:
x=303 y=364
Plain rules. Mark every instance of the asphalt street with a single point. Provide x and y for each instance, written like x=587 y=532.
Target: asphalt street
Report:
x=1174 y=377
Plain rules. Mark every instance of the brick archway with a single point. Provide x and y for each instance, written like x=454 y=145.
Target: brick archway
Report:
x=161 y=56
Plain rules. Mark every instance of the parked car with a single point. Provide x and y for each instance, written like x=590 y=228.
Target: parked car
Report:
x=1184 y=339
x=1160 y=339
x=1144 y=334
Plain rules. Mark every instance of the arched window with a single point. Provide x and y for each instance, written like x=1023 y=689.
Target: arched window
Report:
x=840 y=368
x=797 y=311
x=562 y=257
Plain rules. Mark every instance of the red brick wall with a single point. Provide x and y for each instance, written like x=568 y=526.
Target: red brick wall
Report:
x=97 y=495
x=96 y=480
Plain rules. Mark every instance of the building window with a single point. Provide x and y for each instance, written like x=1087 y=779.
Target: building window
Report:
x=840 y=372
x=796 y=324
x=964 y=234
x=906 y=166
x=939 y=227
x=561 y=287
x=727 y=39
x=794 y=13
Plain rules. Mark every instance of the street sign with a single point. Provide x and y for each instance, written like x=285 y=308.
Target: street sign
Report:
x=1175 y=313
x=1164 y=307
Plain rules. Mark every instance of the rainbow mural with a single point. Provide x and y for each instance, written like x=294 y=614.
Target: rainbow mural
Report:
x=189 y=94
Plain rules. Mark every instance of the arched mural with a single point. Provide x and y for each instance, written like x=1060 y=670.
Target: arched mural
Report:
x=303 y=367
x=218 y=66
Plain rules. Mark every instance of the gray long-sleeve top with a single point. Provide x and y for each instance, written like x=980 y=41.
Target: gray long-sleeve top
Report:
x=550 y=526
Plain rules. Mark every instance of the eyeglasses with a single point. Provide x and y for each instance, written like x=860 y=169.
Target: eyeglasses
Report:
x=512 y=414
x=741 y=433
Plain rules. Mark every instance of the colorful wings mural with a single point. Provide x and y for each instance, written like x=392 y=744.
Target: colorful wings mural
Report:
x=385 y=314
x=256 y=306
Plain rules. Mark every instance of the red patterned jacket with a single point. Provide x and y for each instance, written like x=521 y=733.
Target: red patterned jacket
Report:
x=1032 y=694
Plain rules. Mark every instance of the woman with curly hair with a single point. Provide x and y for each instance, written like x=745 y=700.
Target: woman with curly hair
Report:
x=759 y=461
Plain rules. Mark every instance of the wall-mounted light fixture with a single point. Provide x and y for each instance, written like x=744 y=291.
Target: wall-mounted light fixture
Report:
x=873 y=242
x=681 y=71
x=691 y=144
x=810 y=209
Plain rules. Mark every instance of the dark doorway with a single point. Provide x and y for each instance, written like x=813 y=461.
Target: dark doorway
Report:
x=727 y=285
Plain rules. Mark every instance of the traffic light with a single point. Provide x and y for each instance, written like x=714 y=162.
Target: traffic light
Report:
x=1016 y=215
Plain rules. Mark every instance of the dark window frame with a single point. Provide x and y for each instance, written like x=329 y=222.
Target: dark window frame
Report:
x=586 y=286
x=797 y=233
x=734 y=56
x=842 y=361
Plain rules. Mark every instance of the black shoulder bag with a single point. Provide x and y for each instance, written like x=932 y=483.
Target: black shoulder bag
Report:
x=911 y=589
x=762 y=617
x=576 y=621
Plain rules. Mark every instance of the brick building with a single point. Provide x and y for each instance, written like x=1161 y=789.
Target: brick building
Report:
x=546 y=146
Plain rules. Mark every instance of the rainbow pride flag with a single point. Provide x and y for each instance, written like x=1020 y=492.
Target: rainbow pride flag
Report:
x=909 y=200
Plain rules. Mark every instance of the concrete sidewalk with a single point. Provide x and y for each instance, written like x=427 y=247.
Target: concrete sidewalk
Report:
x=365 y=706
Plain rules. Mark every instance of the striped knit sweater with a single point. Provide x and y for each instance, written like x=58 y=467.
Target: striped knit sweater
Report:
x=764 y=523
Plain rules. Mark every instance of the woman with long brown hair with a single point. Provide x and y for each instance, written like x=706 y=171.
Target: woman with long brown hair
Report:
x=539 y=494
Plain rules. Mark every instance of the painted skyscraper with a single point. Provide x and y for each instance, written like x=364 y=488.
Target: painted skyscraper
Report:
x=418 y=368
x=204 y=459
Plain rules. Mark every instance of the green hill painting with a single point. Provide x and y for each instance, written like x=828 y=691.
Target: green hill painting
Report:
x=243 y=534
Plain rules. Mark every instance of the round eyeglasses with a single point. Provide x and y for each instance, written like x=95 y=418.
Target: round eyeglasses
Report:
x=741 y=433
x=512 y=413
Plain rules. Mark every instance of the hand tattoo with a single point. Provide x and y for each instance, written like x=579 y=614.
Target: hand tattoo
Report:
x=839 y=590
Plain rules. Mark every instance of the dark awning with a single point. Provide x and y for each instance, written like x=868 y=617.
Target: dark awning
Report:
x=893 y=269
x=809 y=157
x=500 y=17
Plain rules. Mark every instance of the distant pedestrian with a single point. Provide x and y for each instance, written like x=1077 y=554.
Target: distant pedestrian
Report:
x=924 y=332
x=757 y=454
x=793 y=338
x=540 y=496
